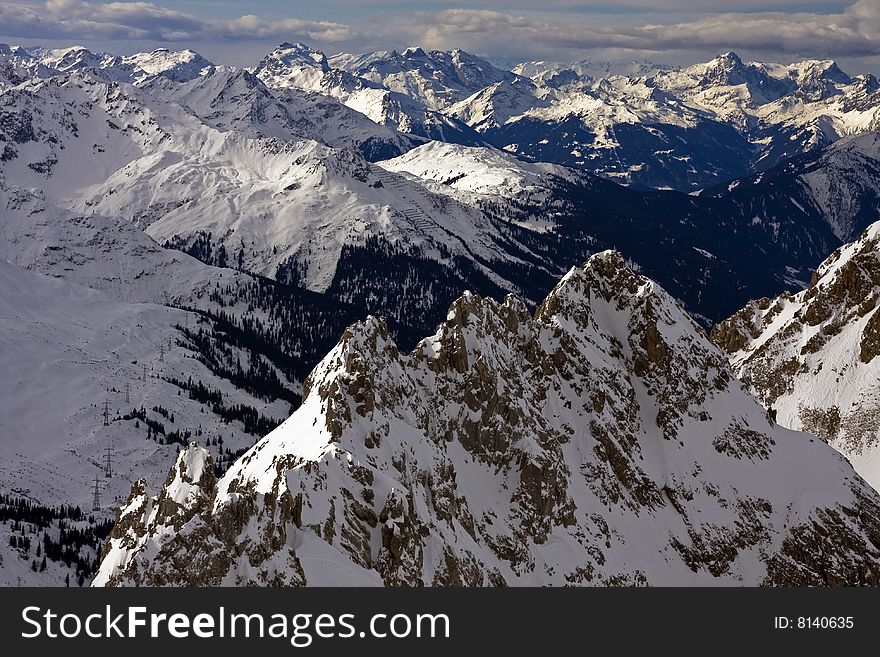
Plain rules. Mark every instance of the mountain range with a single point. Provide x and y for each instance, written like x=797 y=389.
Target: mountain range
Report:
x=210 y=231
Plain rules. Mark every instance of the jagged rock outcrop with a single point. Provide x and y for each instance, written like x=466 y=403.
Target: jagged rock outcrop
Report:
x=601 y=440
x=813 y=357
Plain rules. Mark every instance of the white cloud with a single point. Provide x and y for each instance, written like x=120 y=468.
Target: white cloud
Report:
x=143 y=21
x=852 y=32
x=600 y=6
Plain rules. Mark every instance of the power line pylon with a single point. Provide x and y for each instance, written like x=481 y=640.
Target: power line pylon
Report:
x=108 y=470
x=96 y=502
x=106 y=413
x=127 y=392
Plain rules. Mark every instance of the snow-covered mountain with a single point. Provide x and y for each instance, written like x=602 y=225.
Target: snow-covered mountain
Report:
x=726 y=83
x=546 y=71
x=639 y=123
x=492 y=107
x=274 y=182
x=297 y=66
x=20 y=60
x=680 y=128
x=602 y=440
x=812 y=356
x=436 y=78
x=62 y=60
x=250 y=215
x=625 y=129
x=235 y=100
x=180 y=66
x=785 y=110
x=216 y=167
x=794 y=215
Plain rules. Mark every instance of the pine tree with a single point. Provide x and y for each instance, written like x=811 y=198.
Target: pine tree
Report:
x=67 y=580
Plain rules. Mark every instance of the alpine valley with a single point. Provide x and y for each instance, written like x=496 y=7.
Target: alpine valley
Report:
x=216 y=283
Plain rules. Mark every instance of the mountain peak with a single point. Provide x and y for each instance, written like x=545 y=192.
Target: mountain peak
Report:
x=818 y=79
x=604 y=274
x=297 y=46
x=70 y=49
x=727 y=63
x=176 y=65
x=414 y=51
x=511 y=449
x=868 y=83
x=295 y=56
x=729 y=70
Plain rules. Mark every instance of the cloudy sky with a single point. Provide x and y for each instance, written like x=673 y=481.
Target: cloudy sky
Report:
x=669 y=31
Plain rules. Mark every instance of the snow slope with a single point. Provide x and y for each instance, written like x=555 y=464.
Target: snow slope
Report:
x=64 y=351
x=477 y=170
x=90 y=306
x=844 y=181
x=478 y=176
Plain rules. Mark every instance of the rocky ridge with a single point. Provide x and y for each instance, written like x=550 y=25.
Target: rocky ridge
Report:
x=602 y=440
x=813 y=356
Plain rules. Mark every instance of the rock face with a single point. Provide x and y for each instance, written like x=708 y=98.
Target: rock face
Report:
x=602 y=440
x=813 y=357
